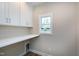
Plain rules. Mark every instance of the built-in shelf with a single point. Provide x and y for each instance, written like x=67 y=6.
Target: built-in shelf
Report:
x=9 y=41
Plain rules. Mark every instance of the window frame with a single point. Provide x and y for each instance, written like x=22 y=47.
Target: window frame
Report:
x=52 y=26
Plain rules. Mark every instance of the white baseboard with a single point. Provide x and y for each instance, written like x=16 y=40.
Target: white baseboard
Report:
x=40 y=53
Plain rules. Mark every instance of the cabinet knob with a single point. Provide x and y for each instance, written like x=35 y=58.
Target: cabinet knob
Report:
x=8 y=20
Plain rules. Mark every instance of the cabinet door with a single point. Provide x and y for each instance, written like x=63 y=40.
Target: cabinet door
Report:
x=29 y=18
x=6 y=13
x=3 y=11
x=14 y=13
x=23 y=14
x=26 y=15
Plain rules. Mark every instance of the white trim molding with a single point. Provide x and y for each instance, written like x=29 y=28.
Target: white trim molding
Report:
x=39 y=52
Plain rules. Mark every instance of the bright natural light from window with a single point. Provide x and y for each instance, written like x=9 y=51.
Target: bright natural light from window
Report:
x=45 y=24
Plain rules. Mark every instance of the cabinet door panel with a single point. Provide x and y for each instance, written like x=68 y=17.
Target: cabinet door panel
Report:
x=23 y=14
x=29 y=18
x=2 y=13
x=14 y=13
x=26 y=15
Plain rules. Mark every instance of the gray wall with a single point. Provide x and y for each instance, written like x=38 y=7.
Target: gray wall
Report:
x=77 y=30
x=62 y=41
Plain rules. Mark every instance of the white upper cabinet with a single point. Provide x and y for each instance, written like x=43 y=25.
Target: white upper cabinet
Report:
x=16 y=14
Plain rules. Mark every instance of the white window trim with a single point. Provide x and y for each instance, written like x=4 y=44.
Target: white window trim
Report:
x=52 y=25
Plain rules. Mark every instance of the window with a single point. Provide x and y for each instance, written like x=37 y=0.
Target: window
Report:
x=45 y=24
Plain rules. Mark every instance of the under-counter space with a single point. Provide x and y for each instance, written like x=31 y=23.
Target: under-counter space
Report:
x=9 y=41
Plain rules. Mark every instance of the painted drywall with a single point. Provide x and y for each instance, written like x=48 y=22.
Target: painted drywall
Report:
x=62 y=40
x=14 y=31
x=8 y=31
x=77 y=30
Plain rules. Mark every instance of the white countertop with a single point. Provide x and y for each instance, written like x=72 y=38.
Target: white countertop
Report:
x=9 y=41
